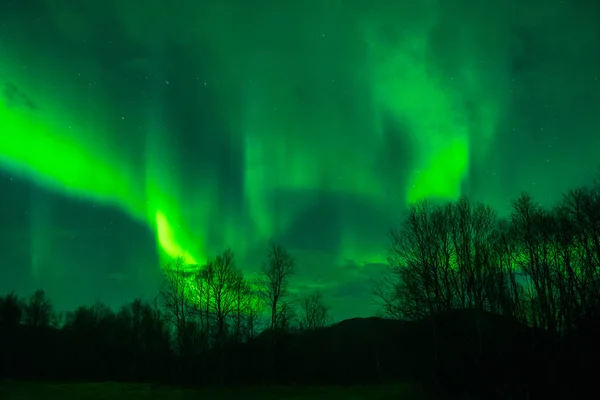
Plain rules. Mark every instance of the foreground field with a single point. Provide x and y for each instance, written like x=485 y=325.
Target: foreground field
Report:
x=132 y=391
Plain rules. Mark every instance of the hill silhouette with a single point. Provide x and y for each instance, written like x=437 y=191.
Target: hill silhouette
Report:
x=453 y=351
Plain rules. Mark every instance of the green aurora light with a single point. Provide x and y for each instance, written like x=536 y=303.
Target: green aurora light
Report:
x=313 y=102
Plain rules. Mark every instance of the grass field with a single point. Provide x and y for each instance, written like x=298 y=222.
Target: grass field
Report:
x=10 y=390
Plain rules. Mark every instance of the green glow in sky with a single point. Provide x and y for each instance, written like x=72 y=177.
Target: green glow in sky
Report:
x=286 y=149
x=314 y=123
x=30 y=146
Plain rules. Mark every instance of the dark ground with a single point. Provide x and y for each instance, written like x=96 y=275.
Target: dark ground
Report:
x=13 y=390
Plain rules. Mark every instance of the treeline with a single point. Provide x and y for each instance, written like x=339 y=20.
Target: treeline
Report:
x=540 y=266
x=189 y=333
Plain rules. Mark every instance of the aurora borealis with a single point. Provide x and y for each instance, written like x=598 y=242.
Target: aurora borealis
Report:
x=132 y=131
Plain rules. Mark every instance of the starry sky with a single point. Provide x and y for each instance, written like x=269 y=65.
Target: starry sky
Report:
x=133 y=131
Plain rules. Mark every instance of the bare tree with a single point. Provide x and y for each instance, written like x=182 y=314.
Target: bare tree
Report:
x=384 y=292
x=11 y=310
x=243 y=295
x=315 y=312
x=273 y=284
x=255 y=305
x=479 y=279
x=445 y=257
x=177 y=295
x=38 y=311
x=202 y=304
x=532 y=223
x=540 y=266
x=420 y=259
x=222 y=278
x=287 y=318
x=576 y=255
x=397 y=299
x=253 y=310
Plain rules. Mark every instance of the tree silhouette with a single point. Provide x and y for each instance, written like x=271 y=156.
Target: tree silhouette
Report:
x=11 y=310
x=223 y=279
x=315 y=312
x=177 y=295
x=38 y=311
x=273 y=284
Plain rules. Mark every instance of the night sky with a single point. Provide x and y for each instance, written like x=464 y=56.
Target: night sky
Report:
x=134 y=130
